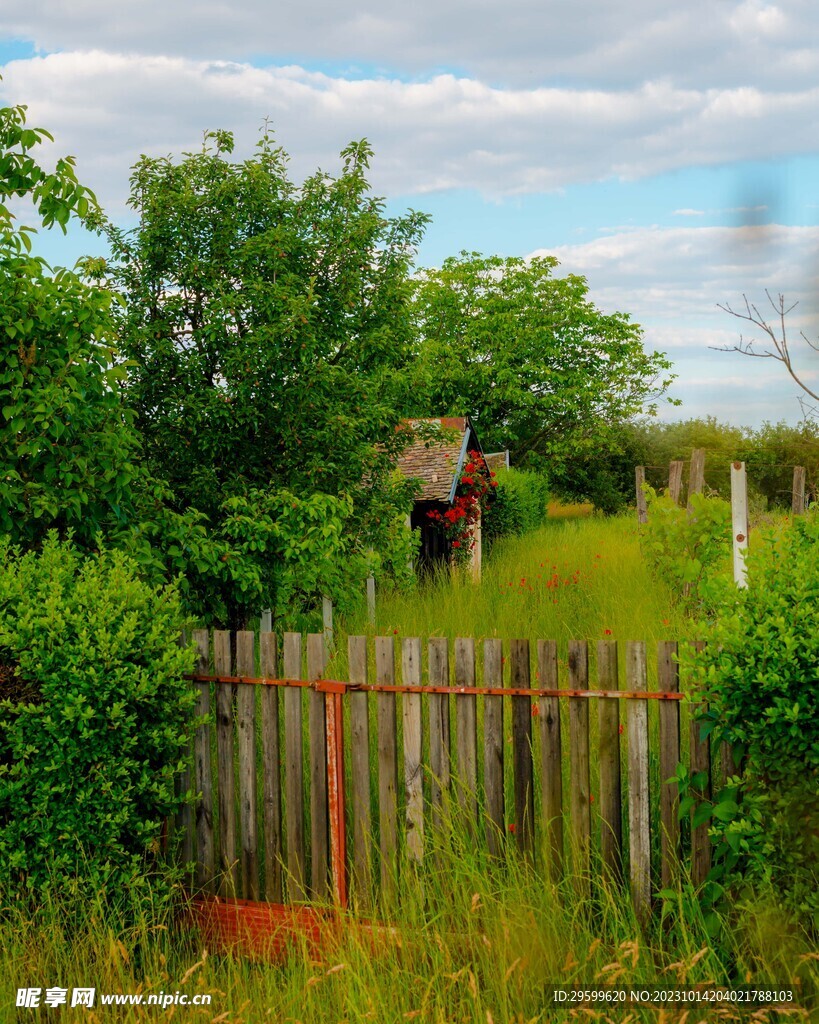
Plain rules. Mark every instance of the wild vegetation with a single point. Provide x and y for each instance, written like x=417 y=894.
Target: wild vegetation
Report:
x=205 y=425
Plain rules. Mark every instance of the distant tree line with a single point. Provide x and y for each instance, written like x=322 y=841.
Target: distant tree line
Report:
x=770 y=453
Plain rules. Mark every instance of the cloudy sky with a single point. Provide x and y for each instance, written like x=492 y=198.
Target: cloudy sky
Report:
x=667 y=152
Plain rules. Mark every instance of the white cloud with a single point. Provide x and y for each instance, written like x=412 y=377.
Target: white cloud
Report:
x=443 y=133
x=520 y=42
x=670 y=281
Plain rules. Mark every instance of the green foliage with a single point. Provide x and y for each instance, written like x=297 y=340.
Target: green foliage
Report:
x=689 y=550
x=758 y=675
x=520 y=505
x=539 y=368
x=67 y=444
x=269 y=331
x=604 y=476
x=769 y=453
x=93 y=720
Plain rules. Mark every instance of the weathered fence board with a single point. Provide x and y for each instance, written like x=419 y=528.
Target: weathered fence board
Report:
x=493 y=747
x=244 y=723
x=668 y=682
x=638 y=792
x=551 y=757
x=413 y=758
x=294 y=772
x=611 y=808
x=271 y=769
x=228 y=861
x=579 y=765
x=360 y=768
x=520 y=678
x=466 y=736
x=439 y=749
x=317 y=717
x=246 y=736
x=387 y=763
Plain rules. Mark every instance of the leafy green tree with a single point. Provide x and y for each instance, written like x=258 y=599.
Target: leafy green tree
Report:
x=67 y=446
x=268 y=328
x=541 y=370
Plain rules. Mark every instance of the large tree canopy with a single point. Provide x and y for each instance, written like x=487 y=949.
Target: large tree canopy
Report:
x=67 y=447
x=268 y=327
x=541 y=370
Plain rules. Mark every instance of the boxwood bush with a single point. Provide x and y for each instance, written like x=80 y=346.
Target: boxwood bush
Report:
x=94 y=718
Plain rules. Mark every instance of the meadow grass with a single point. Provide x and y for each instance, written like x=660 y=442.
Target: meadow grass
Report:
x=469 y=942
x=578 y=577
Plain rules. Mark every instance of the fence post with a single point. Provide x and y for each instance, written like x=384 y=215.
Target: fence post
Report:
x=371 y=600
x=675 y=472
x=798 y=498
x=327 y=619
x=334 y=719
x=739 y=520
x=696 y=474
x=642 y=509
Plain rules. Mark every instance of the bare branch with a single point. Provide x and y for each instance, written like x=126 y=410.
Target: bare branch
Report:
x=776 y=336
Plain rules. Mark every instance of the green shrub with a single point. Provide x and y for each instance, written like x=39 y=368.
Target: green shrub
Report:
x=688 y=550
x=520 y=504
x=758 y=674
x=93 y=720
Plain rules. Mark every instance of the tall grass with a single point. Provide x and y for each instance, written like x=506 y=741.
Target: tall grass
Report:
x=468 y=943
x=575 y=578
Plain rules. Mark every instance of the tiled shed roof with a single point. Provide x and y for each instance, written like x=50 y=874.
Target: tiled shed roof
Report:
x=435 y=463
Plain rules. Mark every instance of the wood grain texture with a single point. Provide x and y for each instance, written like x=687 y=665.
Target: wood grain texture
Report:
x=246 y=741
x=319 y=820
x=413 y=758
x=466 y=736
x=360 y=771
x=579 y=783
x=387 y=766
x=611 y=796
x=493 y=748
x=228 y=861
x=668 y=682
x=294 y=772
x=551 y=758
x=524 y=788
x=439 y=739
x=271 y=766
x=638 y=783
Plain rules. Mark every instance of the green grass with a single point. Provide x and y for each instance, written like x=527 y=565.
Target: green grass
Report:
x=575 y=578
x=469 y=944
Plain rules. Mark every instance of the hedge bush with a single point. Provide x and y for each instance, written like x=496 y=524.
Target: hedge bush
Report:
x=93 y=720
x=520 y=504
x=758 y=673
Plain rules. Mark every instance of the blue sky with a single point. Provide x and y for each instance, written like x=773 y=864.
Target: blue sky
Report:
x=667 y=154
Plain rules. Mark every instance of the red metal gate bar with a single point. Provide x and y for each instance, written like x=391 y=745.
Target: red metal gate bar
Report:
x=326 y=685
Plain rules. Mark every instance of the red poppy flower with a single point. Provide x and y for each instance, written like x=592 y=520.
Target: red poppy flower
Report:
x=620 y=729
x=512 y=827
x=607 y=632
x=535 y=710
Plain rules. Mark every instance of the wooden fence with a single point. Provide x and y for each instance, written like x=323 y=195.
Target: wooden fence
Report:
x=317 y=789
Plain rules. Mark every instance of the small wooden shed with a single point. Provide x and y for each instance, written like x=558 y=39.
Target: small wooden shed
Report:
x=437 y=467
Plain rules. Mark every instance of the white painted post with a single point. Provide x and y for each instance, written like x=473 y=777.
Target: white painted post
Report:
x=739 y=520
x=475 y=561
x=327 y=615
x=371 y=600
